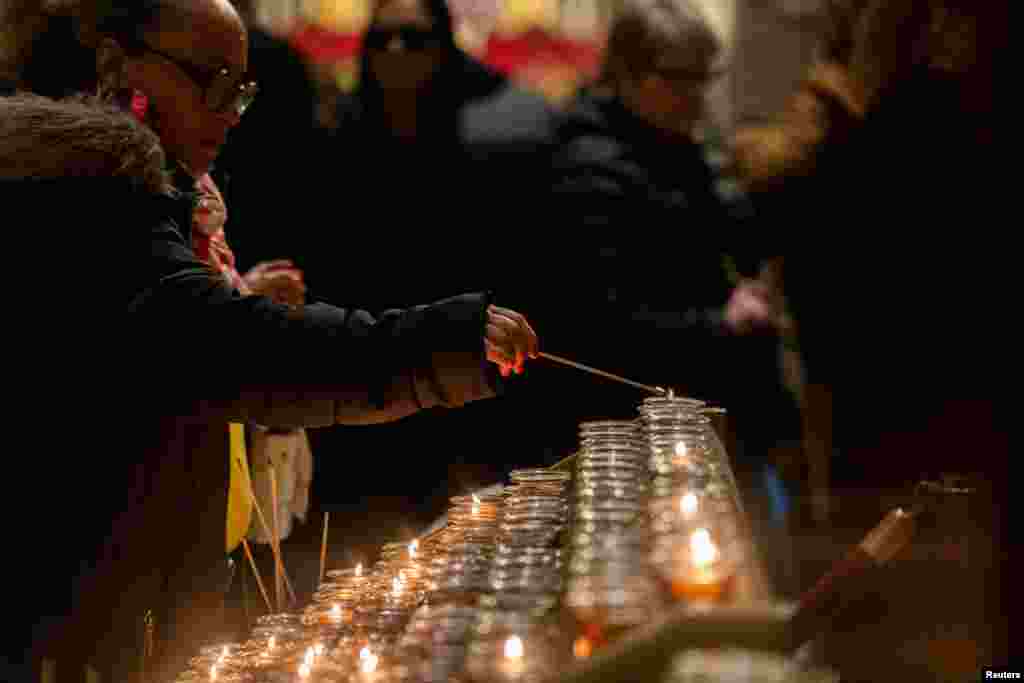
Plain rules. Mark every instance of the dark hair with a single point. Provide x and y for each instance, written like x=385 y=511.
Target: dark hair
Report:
x=126 y=21
x=840 y=35
x=57 y=64
x=459 y=78
x=61 y=58
x=644 y=29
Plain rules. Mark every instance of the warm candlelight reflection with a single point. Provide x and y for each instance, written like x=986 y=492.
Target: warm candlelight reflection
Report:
x=318 y=649
x=699 y=572
x=368 y=664
x=365 y=653
x=213 y=672
x=514 y=647
x=582 y=648
x=476 y=505
x=688 y=505
x=359 y=570
x=513 y=664
x=703 y=550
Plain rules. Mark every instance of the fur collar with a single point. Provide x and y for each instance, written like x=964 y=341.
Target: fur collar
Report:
x=44 y=139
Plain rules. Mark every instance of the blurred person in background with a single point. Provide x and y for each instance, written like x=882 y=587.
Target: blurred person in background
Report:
x=427 y=151
x=279 y=131
x=636 y=158
x=895 y=128
x=425 y=122
x=774 y=162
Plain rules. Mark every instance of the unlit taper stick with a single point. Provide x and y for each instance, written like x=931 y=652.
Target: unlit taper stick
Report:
x=601 y=373
x=323 y=550
x=276 y=540
x=256 y=573
x=274 y=549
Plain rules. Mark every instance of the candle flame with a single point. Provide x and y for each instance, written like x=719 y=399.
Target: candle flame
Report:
x=514 y=647
x=688 y=505
x=304 y=671
x=681 y=450
x=319 y=649
x=369 y=664
x=213 y=672
x=396 y=585
x=310 y=654
x=702 y=548
x=413 y=547
x=476 y=505
x=582 y=648
x=336 y=611
x=359 y=569
x=365 y=652
x=271 y=643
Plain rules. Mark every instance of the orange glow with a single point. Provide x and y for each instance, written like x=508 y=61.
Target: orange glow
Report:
x=582 y=648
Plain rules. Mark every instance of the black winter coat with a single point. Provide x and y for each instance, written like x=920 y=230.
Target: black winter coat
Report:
x=144 y=355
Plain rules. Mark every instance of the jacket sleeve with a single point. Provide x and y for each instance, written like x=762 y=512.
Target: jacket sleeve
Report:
x=247 y=358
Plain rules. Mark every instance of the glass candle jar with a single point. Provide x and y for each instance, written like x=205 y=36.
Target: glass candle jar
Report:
x=742 y=666
x=696 y=564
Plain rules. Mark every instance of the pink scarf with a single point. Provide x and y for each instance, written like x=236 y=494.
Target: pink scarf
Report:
x=209 y=242
x=208 y=239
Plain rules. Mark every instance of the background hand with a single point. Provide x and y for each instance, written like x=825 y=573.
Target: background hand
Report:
x=279 y=280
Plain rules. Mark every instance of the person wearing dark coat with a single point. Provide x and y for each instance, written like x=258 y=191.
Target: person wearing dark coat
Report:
x=272 y=159
x=429 y=149
x=633 y=162
x=135 y=476
x=630 y=158
x=429 y=134
x=896 y=291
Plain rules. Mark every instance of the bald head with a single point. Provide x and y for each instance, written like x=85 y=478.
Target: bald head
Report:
x=210 y=31
x=134 y=17
x=179 y=53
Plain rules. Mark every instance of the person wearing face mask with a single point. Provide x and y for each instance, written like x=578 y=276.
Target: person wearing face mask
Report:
x=169 y=350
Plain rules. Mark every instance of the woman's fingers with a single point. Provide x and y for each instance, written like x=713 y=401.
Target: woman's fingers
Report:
x=519 y=340
x=523 y=324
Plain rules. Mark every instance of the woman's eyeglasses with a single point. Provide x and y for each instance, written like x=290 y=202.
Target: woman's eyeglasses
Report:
x=687 y=80
x=401 y=39
x=221 y=91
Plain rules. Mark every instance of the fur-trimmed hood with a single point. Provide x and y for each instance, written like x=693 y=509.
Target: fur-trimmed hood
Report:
x=44 y=139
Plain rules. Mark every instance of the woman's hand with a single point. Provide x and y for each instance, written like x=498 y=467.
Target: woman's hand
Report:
x=509 y=340
x=279 y=281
